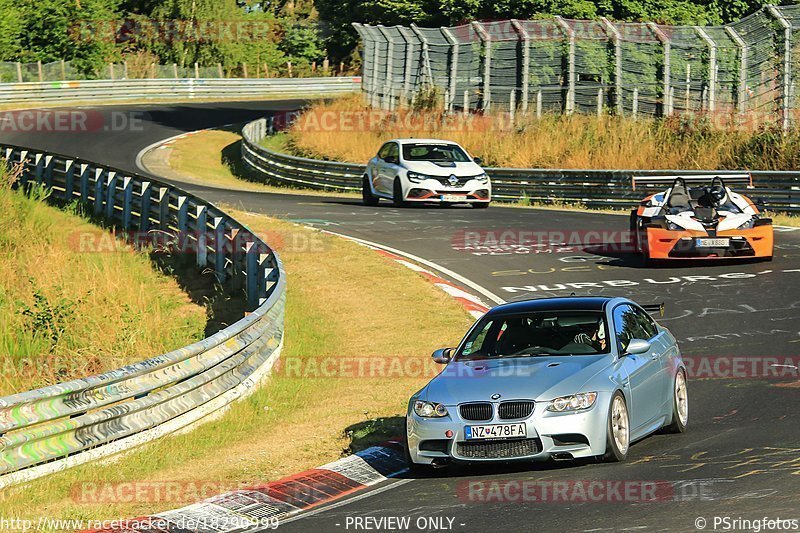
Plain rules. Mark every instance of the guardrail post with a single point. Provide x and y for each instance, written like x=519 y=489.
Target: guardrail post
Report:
x=712 y=68
x=38 y=169
x=268 y=277
x=786 y=89
x=617 y=40
x=218 y=224
x=144 y=206
x=237 y=259
x=667 y=90
x=48 y=171
x=569 y=106
x=69 y=179
x=98 y=190
x=202 y=235
x=163 y=208
x=85 y=174
x=525 y=41
x=111 y=194
x=251 y=270
x=23 y=177
x=486 y=39
x=183 y=214
x=127 y=201
x=741 y=91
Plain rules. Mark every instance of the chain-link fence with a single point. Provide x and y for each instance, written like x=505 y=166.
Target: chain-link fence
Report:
x=11 y=72
x=740 y=73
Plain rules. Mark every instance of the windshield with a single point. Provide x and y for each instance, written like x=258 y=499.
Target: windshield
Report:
x=537 y=334
x=446 y=153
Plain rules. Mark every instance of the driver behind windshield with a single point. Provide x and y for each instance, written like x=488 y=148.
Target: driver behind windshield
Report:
x=596 y=339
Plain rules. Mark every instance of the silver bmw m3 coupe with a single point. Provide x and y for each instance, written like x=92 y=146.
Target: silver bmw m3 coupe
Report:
x=556 y=378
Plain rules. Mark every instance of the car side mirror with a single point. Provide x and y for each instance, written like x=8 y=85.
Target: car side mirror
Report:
x=637 y=346
x=442 y=356
x=478 y=160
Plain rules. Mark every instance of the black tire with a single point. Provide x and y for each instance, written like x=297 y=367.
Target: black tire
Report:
x=677 y=425
x=397 y=194
x=366 y=193
x=480 y=205
x=613 y=453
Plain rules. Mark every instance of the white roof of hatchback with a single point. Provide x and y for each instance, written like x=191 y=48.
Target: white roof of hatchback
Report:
x=423 y=141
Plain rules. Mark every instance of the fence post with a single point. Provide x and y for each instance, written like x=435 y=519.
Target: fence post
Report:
x=635 y=108
x=125 y=69
x=426 y=56
x=111 y=193
x=196 y=71
x=786 y=89
x=569 y=106
x=219 y=70
x=63 y=70
x=219 y=248
x=175 y=71
x=617 y=39
x=453 y=71
x=712 y=68
x=202 y=237
x=525 y=44
x=144 y=207
x=741 y=92
x=111 y=71
x=599 y=101
x=19 y=72
x=39 y=67
x=539 y=103
x=388 y=73
x=127 y=201
x=486 y=39
x=666 y=75
x=407 y=65
x=465 y=104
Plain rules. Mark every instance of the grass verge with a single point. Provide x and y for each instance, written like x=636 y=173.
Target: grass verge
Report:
x=316 y=407
x=68 y=307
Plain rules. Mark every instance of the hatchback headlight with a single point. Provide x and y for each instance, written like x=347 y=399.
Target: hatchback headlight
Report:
x=576 y=402
x=748 y=224
x=483 y=178
x=416 y=177
x=430 y=409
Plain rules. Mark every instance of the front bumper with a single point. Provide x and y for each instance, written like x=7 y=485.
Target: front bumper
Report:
x=581 y=434
x=667 y=244
x=430 y=190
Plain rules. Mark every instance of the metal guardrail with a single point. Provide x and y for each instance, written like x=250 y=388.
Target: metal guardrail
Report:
x=780 y=191
x=64 y=92
x=55 y=427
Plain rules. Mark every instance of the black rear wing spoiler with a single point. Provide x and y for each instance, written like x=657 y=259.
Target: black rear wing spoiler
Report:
x=654 y=308
x=729 y=179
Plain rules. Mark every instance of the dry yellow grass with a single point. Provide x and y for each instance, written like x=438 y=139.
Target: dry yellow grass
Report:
x=347 y=130
x=67 y=311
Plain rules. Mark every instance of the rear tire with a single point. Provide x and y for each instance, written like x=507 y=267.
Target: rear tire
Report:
x=680 y=404
x=397 y=194
x=617 y=430
x=366 y=193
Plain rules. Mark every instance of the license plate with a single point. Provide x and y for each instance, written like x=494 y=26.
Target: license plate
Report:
x=453 y=198
x=712 y=243
x=496 y=431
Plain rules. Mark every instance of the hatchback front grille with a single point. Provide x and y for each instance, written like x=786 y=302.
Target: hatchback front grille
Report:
x=476 y=411
x=512 y=410
x=505 y=449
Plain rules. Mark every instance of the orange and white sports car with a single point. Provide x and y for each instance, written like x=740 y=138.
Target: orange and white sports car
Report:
x=699 y=217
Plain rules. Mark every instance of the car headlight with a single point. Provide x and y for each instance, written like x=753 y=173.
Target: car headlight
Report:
x=416 y=177
x=430 y=409
x=673 y=226
x=747 y=225
x=483 y=178
x=576 y=402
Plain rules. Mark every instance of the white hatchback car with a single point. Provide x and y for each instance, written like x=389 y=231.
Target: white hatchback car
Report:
x=425 y=170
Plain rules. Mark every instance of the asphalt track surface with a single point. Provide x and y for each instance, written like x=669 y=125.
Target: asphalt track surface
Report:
x=740 y=458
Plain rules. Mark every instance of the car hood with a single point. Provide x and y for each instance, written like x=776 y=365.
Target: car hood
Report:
x=444 y=169
x=536 y=378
